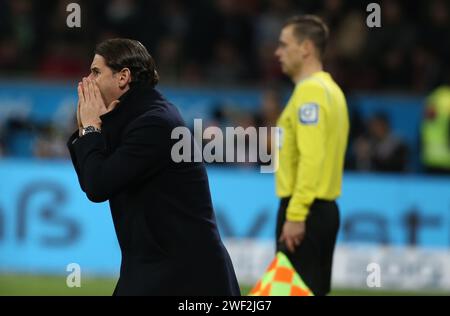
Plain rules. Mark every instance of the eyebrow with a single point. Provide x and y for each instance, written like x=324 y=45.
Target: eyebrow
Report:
x=95 y=69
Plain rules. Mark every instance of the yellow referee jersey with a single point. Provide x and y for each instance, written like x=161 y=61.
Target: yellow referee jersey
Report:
x=314 y=130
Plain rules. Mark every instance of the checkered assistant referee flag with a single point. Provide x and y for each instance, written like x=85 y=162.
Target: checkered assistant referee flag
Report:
x=281 y=279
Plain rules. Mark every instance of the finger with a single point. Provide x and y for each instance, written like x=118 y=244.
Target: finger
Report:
x=78 y=115
x=80 y=92
x=86 y=89
x=91 y=89
x=96 y=90
x=290 y=245
x=81 y=98
x=301 y=237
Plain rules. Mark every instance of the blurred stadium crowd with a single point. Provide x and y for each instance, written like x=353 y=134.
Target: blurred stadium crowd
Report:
x=231 y=43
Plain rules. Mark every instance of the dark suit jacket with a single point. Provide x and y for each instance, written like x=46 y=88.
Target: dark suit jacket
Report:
x=162 y=210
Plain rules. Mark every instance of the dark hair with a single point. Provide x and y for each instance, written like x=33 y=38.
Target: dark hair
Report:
x=122 y=53
x=310 y=27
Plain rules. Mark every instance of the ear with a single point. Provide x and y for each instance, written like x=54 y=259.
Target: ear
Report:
x=308 y=48
x=124 y=78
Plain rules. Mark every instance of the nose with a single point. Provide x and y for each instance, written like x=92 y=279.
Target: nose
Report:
x=277 y=52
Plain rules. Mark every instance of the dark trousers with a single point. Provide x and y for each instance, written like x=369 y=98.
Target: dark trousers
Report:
x=313 y=258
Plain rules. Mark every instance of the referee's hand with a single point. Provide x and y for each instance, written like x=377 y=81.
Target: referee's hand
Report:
x=292 y=234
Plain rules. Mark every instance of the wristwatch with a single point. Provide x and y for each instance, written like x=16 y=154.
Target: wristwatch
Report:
x=90 y=129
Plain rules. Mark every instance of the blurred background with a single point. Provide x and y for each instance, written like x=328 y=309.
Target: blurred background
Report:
x=216 y=62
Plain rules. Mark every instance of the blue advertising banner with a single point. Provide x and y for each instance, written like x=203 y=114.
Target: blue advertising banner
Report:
x=46 y=222
x=56 y=102
x=377 y=209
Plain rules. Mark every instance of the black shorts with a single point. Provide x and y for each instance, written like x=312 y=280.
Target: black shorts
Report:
x=313 y=258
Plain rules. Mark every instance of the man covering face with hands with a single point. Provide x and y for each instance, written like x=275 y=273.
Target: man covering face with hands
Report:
x=162 y=210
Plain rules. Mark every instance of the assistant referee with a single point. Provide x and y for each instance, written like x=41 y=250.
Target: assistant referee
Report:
x=314 y=130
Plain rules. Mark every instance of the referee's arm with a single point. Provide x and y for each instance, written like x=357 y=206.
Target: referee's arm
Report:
x=310 y=135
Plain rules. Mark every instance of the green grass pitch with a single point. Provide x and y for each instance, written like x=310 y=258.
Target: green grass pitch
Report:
x=41 y=285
